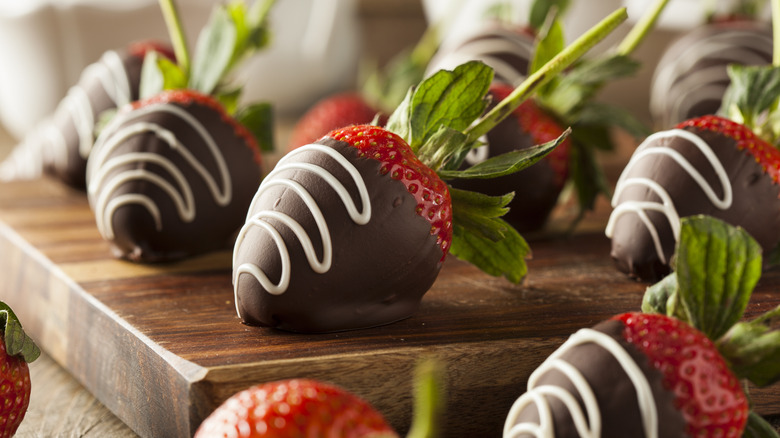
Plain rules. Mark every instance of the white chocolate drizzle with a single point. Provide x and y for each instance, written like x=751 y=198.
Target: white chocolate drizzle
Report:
x=46 y=144
x=666 y=206
x=671 y=97
x=101 y=165
x=263 y=218
x=588 y=423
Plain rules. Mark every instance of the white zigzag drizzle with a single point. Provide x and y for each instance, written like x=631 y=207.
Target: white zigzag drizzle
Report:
x=587 y=423
x=101 y=165
x=666 y=206
x=262 y=218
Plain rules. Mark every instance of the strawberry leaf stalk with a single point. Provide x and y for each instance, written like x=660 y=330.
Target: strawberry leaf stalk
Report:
x=443 y=118
x=233 y=33
x=569 y=98
x=717 y=267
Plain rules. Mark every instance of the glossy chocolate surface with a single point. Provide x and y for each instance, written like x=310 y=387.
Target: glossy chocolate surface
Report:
x=754 y=203
x=691 y=78
x=615 y=393
x=379 y=270
x=171 y=180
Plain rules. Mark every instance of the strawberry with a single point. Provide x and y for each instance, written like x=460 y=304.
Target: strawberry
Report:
x=61 y=144
x=706 y=165
x=330 y=113
x=295 y=407
x=691 y=76
x=352 y=230
x=16 y=350
x=167 y=168
x=566 y=101
x=641 y=373
x=528 y=125
x=306 y=407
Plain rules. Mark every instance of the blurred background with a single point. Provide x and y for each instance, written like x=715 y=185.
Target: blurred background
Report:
x=317 y=49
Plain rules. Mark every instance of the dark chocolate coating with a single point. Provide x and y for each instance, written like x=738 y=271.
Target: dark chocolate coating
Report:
x=755 y=205
x=65 y=118
x=690 y=78
x=379 y=272
x=536 y=188
x=614 y=392
x=507 y=50
x=213 y=226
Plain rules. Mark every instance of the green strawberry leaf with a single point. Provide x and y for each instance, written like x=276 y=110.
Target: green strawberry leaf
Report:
x=752 y=99
x=443 y=147
x=753 y=348
x=507 y=163
x=483 y=239
x=657 y=298
x=16 y=340
x=586 y=175
x=758 y=427
x=159 y=73
x=213 y=51
x=717 y=267
x=259 y=120
x=447 y=98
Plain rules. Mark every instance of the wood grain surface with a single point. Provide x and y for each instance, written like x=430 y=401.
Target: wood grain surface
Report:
x=161 y=346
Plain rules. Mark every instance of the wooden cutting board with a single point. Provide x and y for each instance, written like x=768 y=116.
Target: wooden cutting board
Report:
x=161 y=346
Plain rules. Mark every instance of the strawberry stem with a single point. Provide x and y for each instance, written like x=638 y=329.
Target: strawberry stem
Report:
x=546 y=73
x=428 y=400
x=641 y=28
x=179 y=42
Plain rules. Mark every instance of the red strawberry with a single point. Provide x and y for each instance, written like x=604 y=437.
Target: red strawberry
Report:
x=707 y=393
x=16 y=350
x=537 y=188
x=381 y=222
x=635 y=373
x=331 y=113
x=293 y=408
x=141 y=48
x=708 y=165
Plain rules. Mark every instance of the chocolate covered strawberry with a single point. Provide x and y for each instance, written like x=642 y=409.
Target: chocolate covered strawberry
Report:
x=60 y=145
x=351 y=230
x=566 y=101
x=16 y=351
x=708 y=165
x=168 y=168
x=677 y=370
x=184 y=161
x=691 y=77
x=538 y=187
x=723 y=165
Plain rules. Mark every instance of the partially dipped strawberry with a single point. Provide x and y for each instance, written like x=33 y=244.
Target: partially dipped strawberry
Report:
x=295 y=408
x=61 y=144
x=567 y=101
x=16 y=350
x=169 y=168
x=633 y=375
x=707 y=165
x=347 y=232
x=679 y=368
x=351 y=230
